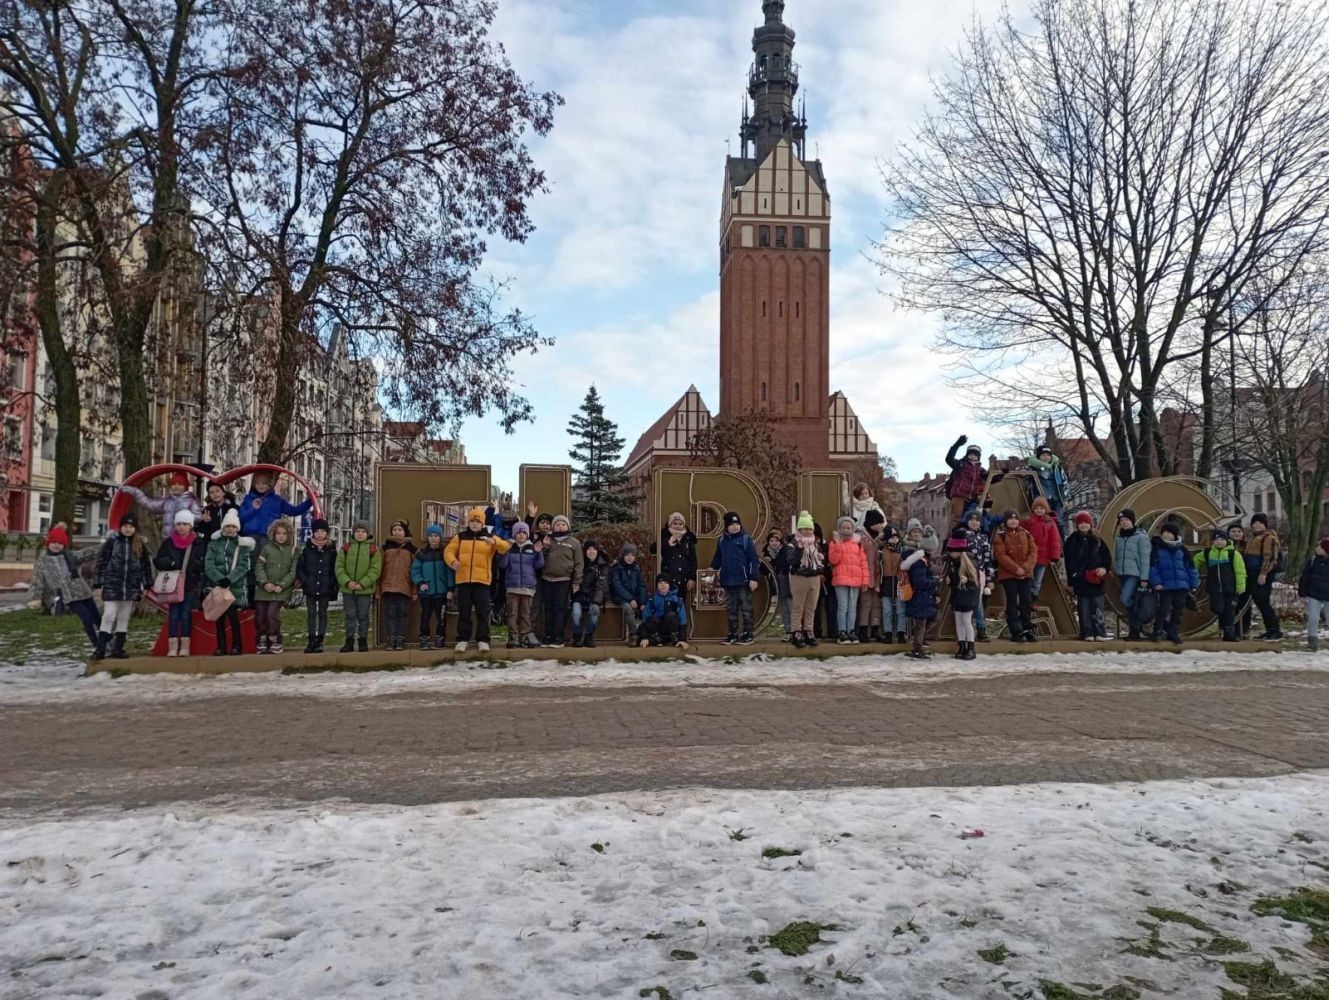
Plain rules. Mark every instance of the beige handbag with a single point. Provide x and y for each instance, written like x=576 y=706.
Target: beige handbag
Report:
x=219 y=599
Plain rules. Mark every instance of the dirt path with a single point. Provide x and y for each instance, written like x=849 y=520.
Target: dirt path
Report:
x=524 y=741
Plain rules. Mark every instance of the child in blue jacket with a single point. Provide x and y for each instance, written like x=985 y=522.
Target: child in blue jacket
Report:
x=1174 y=578
x=434 y=580
x=664 y=617
x=740 y=568
x=627 y=588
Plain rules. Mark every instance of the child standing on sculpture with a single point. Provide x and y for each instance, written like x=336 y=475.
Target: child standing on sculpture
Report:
x=1087 y=564
x=1017 y=556
x=434 y=580
x=1223 y=571
x=849 y=575
x=740 y=570
x=564 y=564
x=807 y=566
x=229 y=564
x=590 y=596
x=967 y=480
x=395 y=588
x=359 y=565
x=470 y=553
x=1051 y=481
x=124 y=573
x=977 y=533
x=317 y=573
x=664 y=617
x=176 y=499
x=967 y=583
x=1173 y=577
x=182 y=551
x=274 y=574
x=1047 y=540
x=1313 y=588
x=56 y=580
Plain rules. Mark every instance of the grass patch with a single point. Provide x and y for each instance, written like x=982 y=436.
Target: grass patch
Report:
x=683 y=955
x=758 y=977
x=1060 y=991
x=795 y=939
x=1263 y=980
x=1177 y=917
x=1302 y=906
x=1150 y=947
x=771 y=853
x=740 y=834
x=1222 y=945
x=995 y=955
x=659 y=992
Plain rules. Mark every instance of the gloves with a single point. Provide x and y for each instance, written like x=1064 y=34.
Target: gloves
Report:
x=964 y=439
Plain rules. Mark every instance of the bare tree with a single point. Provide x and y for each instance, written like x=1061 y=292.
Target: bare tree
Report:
x=1092 y=196
x=357 y=159
x=750 y=443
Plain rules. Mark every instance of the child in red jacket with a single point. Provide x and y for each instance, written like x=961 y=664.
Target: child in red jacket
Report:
x=849 y=575
x=1047 y=537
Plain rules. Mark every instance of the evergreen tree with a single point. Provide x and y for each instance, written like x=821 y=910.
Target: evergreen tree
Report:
x=600 y=490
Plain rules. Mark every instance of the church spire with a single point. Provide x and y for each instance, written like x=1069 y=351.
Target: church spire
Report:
x=773 y=85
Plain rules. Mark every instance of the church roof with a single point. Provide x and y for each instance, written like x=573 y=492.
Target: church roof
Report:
x=739 y=171
x=675 y=428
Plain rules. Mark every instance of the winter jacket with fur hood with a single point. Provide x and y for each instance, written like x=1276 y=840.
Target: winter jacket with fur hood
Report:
x=398 y=556
x=228 y=563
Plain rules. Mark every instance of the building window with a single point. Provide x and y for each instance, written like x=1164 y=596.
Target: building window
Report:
x=781 y=307
x=781 y=236
x=764 y=236
x=763 y=392
x=1271 y=502
x=13 y=439
x=48 y=443
x=798 y=391
x=800 y=237
x=44 y=503
x=17 y=362
x=1259 y=504
x=798 y=310
x=763 y=308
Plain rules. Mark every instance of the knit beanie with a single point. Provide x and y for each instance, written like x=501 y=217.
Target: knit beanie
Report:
x=662 y=578
x=1260 y=519
x=914 y=524
x=974 y=450
x=57 y=536
x=731 y=518
x=1040 y=503
x=1219 y=533
x=845 y=520
x=434 y=529
x=319 y=524
x=564 y=519
x=628 y=549
x=232 y=519
x=1045 y=450
x=184 y=516
x=521 y=528
x=873 y=518
x=475 y=514
x=1084 y=517
x=1009 y=516
x=179 y=479
x=360 y=524
x=1127 y=514
x=676 y=516
x=805 y=522
x=957 y=545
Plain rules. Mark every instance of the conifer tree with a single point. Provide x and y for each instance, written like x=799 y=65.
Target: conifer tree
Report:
x=600 y=490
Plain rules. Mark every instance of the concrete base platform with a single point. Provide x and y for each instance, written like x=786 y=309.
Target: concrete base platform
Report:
x=298 y=662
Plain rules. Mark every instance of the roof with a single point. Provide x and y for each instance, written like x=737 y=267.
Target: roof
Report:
x=653 y=438
x=738 y=171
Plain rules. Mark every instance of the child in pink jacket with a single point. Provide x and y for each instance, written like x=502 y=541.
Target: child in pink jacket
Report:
x=849 y=575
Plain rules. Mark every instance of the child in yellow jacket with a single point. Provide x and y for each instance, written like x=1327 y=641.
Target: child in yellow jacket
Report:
x=471 y=556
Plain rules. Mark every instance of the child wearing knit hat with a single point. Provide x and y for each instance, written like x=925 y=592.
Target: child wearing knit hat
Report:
x=57 y=581
x=471 y=556
x=803 y=557
x=1087 y=565
x=740 y=570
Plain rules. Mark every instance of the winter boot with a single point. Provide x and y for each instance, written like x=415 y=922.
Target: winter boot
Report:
x=237 y=644
x=589 y=642
x=900 y=639
x=363 y=644
x=1314 y=644
x=99 y=650
x=221 y=649
x=184 y=647
x=797 y=640
x=118 y=649
x=972 y=653
x=811 y=640
x=349 y=645
x=276 y=646
x=318 y=644
x=172 y=647
x=982 y=635
x=312 y=645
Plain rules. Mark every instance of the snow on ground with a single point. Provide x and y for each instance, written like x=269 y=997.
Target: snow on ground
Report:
x=614 y=895
x=58 y=679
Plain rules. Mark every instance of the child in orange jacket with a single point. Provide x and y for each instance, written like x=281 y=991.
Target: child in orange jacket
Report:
x=849 y=575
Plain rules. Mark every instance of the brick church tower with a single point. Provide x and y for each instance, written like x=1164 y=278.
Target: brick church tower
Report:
x=775 y=256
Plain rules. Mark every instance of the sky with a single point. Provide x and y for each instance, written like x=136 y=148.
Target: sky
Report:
x=623 y=268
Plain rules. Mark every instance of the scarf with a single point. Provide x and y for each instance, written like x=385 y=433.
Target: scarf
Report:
x=676 y=534
x=184 y=542
x=810 y=557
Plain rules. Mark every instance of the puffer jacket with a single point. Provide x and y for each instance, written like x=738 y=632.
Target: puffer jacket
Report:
x=166 y=505
x=890 y=571
x=522 y=564
x=626 y=584
x=678 y=562
x=1085 y=552
x=980 y=551
x=736 y=559
x=1222 y=570
x=229 y=561
x=1051 y=477
x=1171 y=568
x=430 y=568
x=275 y=564
x=475 y=551
x=1047 y=538
x=259 y=510
x=359 y=562
x=317 y=571
x=594 y=586
x=1262 y=553
x=656 y=607
x=1314 y=581
x=967 y=478
x=850 y=564
x=170 y=557
x=398 y=557
x=1133 y=553
x=1016 y=554
x=966 y=597
x=59 y=576
x=564 y=559
x=123 y=575
x=924 y=602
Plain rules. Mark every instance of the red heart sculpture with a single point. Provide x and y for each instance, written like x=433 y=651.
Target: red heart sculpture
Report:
x=202 y=628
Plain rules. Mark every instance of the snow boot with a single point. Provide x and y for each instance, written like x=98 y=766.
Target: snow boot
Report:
x=589 y=641
x=312 y=645
x=99 y=650
x=118 y=650
x=798 y=642
x=983 y=634
x=364 y=644
x=1314 y=644
x=184 y=647
x=349 y=645
x=318 y=644
x=863 y=634
x=971 y=653
x=900 y=639
x=810 y=640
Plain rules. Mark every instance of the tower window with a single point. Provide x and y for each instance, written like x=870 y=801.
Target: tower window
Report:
x=782 y=308
x=763 y=308
x=781 y=236
x=800 y=236
x=763 y=392
x=764 y=236
x=798 y=310
x=798 y=391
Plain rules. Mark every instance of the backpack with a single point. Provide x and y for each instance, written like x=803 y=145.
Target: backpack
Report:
x=906 y=587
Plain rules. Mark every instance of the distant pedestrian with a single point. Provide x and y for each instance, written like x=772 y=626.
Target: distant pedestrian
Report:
x=1313 y=587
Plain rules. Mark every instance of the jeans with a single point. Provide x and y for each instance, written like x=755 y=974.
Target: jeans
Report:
x=1315 y=610
x=180 y=620
x=433 y=617
x=738 y=608
x=1089 y=610
x=893 y=618
x=556 y=596
x=396 y=614
x=964 y=627
x=787 y=613
x=1019 y=606
x=357 y=615
x=631 y=618
x=1130 y=586
x=316 y=616
x=88 y=614
x=590 y=613
x=1039 y=573
x=980 y=616
x=473 y=611
x=846 y=604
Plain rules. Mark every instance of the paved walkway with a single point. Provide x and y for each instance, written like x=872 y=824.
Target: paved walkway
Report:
x=516 y=741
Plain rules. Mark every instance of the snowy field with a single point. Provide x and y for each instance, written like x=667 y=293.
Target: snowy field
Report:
x=57 y=679
x=1126 y=891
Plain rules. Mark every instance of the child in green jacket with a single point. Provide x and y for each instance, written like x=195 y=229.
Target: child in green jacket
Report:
x=359 y=565
x=274 y=578
x=228 y=563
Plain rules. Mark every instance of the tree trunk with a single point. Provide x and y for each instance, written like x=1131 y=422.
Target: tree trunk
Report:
x=1208 y=411
x=285 y=382
x=68 y=408
x=135 y=420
